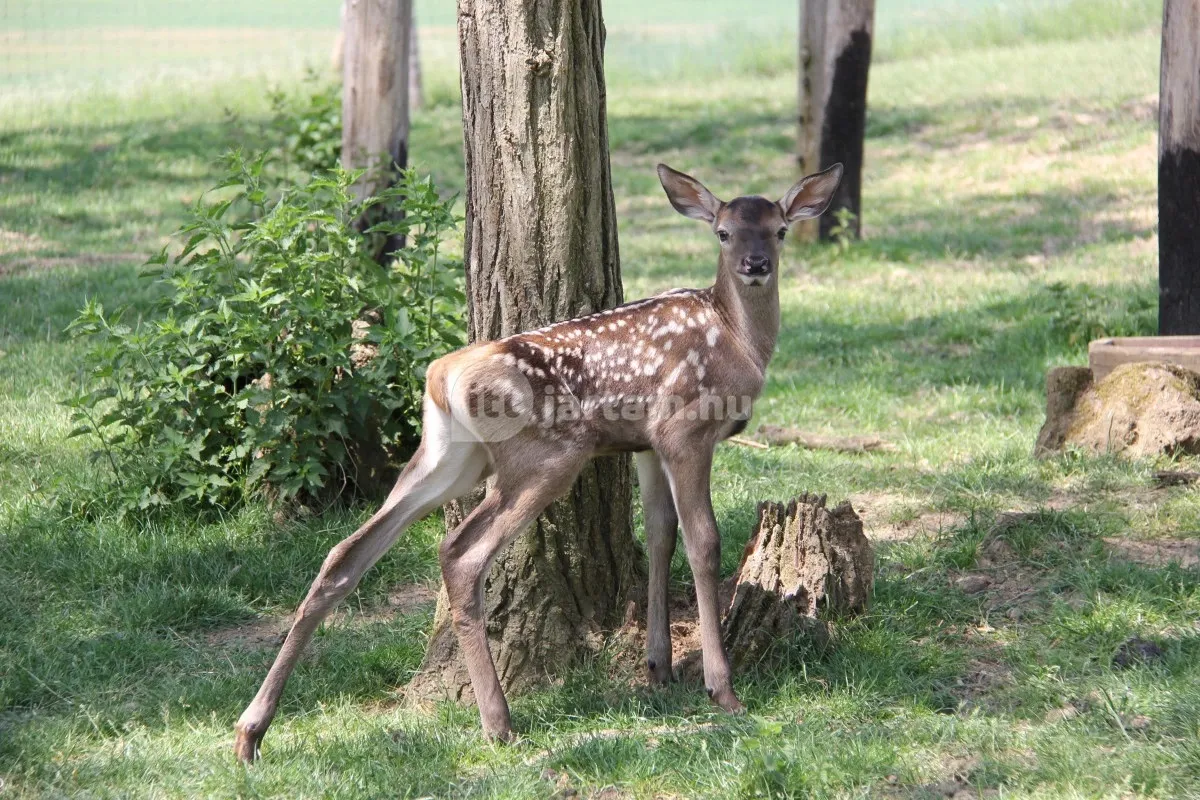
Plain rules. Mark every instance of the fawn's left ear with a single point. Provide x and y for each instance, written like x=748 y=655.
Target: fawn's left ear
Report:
x=811 y=195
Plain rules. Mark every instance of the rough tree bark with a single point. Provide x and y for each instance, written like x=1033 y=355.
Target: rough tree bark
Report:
x=835 y=57
x=541 y=245
x=375 y=95
x=1179 y=170
x=803 y=559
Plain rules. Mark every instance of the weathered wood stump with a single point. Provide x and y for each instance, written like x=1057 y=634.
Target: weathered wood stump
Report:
x=804 y=564
x=1137 y=410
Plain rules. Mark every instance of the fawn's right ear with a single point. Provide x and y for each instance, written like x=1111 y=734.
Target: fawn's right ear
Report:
x=688 y=195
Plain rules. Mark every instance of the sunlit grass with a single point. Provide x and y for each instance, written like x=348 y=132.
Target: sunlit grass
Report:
x=1009 y=212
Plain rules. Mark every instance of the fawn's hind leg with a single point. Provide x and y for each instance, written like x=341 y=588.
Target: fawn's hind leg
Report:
x=444 y=467
x=517 y=498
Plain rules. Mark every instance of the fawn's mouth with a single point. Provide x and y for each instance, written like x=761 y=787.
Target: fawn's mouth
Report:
x=755 y=277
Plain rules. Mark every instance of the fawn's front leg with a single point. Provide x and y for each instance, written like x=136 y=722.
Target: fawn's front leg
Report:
x=689 y=473
x=661 y=523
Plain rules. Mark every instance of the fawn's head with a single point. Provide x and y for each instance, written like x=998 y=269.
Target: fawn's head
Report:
x=751 y=229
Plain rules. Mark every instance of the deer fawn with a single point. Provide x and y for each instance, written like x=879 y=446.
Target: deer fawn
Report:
x=666 y=378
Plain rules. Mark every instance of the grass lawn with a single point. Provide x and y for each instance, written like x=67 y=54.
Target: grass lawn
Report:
x=1009 y=218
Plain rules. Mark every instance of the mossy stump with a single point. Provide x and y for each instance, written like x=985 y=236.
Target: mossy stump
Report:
x=804 y=565
x=1139 y=410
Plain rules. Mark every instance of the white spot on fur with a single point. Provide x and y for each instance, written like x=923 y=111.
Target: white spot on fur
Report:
x=674 y=376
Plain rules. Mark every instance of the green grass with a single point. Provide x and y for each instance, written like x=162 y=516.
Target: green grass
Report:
x=1009 y=212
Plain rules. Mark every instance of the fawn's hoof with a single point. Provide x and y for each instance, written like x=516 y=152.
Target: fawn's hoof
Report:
x=727 y=701
x=502 y=735
x=659 y=673
x=247 y=742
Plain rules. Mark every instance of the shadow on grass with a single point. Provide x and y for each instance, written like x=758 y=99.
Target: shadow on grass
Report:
x=1002 y=342
x=103 y=157
x=825 y=719
x=107 y=611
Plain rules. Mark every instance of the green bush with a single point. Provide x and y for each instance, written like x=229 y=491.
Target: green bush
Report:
x=307 y=129
x=282 y=357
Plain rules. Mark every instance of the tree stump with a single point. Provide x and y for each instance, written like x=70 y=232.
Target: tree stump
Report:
x=803 y=565
x=1138 y=410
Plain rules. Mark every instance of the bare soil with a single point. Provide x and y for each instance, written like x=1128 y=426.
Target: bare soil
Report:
x=1156 y=552
x=268 y=632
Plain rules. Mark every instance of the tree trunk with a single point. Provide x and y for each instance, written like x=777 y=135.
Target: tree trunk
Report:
x=415 y=91
x=416 y=94
x=803 y=559
x=835 y=56
x=541 y=245
x=375 y=95
x=1179 y=170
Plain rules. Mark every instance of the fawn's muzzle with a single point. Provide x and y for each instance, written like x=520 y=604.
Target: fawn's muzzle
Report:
x=755 y=266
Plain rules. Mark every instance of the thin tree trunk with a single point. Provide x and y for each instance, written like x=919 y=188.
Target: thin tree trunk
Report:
x=835 y=58
x=415 y=87
x=416 y=95
x=1179 y=170
x=375 y=95
x=541 y=245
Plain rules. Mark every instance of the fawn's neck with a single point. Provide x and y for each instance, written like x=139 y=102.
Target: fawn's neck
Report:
x=751 y=311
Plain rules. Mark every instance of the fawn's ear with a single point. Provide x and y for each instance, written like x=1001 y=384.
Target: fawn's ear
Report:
x=688 y=195
x=811 y=195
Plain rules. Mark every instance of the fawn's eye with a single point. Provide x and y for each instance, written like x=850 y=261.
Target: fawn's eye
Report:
x=723 y=236
x=782 y=233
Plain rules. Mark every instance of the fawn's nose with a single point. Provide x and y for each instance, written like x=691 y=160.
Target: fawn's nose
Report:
x=755 y=265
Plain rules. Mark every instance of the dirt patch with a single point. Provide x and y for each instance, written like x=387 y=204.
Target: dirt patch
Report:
x=893 y=517
x=957 y=772
x=410 y=597
x=269 y=632
x=16 y=242
x=1156 y=552
x=628 y=644
x=258 y=634
x=983 y=677
x=1008 y=588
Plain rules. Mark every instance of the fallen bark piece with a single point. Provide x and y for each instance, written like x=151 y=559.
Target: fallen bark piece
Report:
x=1166 y=477
x=744 y=442
x=804 y=560
x=1142 y=409
x=777 y=435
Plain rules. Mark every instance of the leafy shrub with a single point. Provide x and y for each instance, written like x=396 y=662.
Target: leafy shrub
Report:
x=282 y=357
x=307 y=130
